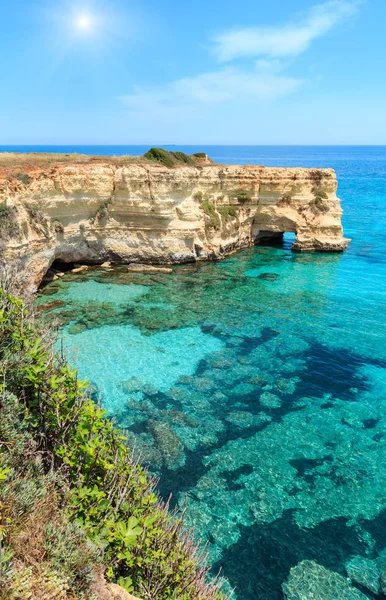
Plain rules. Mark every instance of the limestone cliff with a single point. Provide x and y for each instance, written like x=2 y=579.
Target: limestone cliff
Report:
x=89 y=209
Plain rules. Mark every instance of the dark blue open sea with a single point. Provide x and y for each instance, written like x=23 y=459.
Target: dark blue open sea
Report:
x=256 y=386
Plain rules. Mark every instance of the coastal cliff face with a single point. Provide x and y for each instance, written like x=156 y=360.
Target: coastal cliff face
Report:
x=92 y=210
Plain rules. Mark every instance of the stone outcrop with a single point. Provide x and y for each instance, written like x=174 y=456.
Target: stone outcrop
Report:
x=91 y=210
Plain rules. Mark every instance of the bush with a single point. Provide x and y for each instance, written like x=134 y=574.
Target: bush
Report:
x=75 y=457
x=8 y=225
x=212 y=217
x=58 y=226
x=167 y=158
x=37 y=219
x=42 y=551
x=100 y=214
x=242 y=196
x=198 y=196
x=227 y=213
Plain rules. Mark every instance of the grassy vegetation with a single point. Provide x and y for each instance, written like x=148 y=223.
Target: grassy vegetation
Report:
x=8 y=225
x=212 y=217
x=242 y=196
x=216 y=215
x=101 y=213
x=37 y=218
x=169 y=159
x=227 y=213
x=73 y=499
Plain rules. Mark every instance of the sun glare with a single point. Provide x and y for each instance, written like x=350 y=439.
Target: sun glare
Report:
x=84 y=22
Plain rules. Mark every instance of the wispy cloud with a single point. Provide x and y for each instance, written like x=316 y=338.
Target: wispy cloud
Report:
x=236 y=89
x=286 y=40
x=189 y=94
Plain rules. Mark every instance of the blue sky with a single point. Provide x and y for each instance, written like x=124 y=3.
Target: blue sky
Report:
x=217 y=72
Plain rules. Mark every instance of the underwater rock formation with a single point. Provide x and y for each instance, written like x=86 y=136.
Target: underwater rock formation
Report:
x=308 y=581
x=92 y=210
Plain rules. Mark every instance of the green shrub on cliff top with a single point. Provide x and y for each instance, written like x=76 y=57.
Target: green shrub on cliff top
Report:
x=167 y=158
x=91 y=475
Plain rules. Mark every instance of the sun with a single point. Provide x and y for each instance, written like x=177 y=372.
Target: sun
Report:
x=84 y=22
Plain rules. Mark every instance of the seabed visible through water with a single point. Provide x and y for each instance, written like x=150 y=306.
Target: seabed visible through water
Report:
x=251 y=388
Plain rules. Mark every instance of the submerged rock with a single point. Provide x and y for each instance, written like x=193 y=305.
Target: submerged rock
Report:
x=168 y=443
x=148 y=269
x=268 y=276
x=50 y=306
x=180 y=418
x=365 y=572
x=77 y=328
x=202 y=384
x=310 y=581
x=133 y=384
x=244 y=419
x=270 y=400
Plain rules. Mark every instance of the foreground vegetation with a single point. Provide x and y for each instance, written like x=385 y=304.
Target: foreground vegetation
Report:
x=75 y=505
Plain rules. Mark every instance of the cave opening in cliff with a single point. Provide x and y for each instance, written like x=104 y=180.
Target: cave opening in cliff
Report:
x=281 y=239
x=62 y=266
x=57 y=268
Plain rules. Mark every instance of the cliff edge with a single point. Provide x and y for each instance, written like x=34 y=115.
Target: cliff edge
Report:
x=76 y=208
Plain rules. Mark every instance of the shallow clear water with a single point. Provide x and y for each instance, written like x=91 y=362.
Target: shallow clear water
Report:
x=256 y=386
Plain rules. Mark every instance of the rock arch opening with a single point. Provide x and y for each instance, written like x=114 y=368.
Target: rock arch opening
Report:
x=276 y=239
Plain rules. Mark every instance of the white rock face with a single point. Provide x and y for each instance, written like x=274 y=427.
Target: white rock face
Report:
x=97 y=210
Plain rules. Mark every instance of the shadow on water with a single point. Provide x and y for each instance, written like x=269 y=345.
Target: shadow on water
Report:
x=333 y=371
x=260 y=561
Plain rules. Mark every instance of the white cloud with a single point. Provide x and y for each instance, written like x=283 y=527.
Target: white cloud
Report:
x=285 y=40
x=190 y=94
x=233 y=92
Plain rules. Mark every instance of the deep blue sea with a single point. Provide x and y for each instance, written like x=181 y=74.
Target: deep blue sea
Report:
x=256 y=386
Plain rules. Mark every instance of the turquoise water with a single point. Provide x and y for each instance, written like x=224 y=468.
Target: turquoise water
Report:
x=256 y=386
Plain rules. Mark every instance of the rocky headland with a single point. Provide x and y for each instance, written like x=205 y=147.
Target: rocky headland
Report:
x=89 y=210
